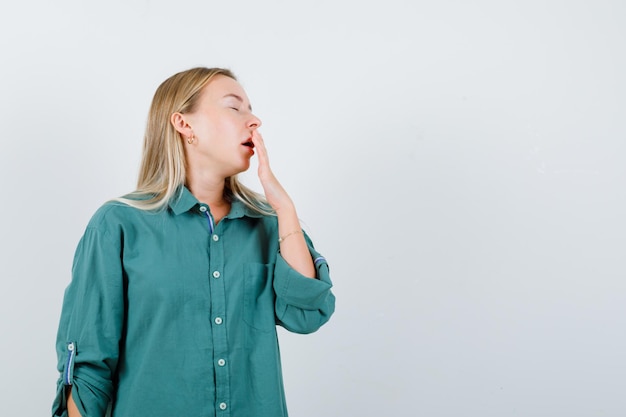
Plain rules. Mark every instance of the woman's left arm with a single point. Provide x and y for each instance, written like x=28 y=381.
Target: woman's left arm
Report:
x=293 y=246
x=303 y=304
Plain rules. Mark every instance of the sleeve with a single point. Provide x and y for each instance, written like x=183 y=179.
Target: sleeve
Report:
x=303 y=304
x=90 y=327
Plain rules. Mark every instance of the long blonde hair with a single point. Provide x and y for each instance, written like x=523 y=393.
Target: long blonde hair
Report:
x=162 y=174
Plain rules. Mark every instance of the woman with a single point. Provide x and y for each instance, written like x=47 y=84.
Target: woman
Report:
x=178 y=287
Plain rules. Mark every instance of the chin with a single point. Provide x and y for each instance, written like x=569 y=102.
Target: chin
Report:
x=240 y=169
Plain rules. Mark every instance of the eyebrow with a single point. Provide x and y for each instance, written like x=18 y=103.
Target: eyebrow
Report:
x=238 y=98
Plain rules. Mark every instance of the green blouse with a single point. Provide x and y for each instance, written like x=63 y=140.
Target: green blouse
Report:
x=165 y=316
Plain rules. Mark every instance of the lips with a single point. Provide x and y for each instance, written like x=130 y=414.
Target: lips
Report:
x=249 y=146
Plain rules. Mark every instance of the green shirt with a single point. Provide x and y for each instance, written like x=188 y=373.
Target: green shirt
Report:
x=166 y=317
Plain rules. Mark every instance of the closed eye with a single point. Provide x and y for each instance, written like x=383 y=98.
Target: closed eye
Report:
x=237 y=99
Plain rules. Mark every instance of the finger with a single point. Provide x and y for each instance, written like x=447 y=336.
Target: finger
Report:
x=259 y=144
x=257 y=139
x=256 y=136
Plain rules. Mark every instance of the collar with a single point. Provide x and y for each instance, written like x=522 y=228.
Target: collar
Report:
x=183 y=201
x=186 y=201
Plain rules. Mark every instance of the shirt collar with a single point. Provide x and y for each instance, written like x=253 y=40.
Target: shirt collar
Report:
x=238 y=209
x=185 y=201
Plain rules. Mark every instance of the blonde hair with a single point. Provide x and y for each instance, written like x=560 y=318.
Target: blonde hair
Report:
x=162 y=173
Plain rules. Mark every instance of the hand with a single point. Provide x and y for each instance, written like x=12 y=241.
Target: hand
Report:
x=293 y=250
x=275 y=194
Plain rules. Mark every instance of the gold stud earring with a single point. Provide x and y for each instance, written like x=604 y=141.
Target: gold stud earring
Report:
x=191 y=139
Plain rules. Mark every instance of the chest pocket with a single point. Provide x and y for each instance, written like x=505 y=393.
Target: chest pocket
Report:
x=259 y=297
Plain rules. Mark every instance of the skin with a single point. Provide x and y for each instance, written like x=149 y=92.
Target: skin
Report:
x=72 y=410
x=221 y=123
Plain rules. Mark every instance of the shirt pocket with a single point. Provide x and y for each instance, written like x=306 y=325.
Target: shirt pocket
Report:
x=258 y=296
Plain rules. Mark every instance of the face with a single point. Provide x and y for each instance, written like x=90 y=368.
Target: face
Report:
x=222 y=125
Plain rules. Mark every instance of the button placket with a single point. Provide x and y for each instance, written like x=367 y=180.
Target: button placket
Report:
x=218 y=316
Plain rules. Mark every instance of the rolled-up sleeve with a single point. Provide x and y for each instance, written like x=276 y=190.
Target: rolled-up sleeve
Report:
x=303 y=304
x=91 y=325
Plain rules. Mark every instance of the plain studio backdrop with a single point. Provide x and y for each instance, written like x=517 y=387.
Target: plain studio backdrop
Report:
x=459 y=163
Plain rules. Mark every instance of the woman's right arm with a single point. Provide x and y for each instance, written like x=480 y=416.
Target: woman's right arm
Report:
x=91 y=324
x=72 y=410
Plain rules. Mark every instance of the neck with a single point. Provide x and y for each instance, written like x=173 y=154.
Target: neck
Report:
x=209 y=190
x=205 y=185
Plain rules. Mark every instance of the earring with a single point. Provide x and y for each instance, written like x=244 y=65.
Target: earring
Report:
x=191 y=139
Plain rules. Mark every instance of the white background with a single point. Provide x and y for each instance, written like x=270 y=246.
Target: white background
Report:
x=460 y=164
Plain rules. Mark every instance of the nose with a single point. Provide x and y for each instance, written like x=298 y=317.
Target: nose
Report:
x=254 y=122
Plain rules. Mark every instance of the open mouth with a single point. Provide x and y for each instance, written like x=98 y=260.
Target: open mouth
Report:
x=248 y=144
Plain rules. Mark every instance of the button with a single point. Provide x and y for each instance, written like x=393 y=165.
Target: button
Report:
x=216 y=274
x=221 y=362
x=218 y=320
x=70 y=347
x=222 y=406
x=202 y=209
x=216 y=238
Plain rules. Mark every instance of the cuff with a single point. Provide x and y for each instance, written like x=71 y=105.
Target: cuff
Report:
x=299 y=291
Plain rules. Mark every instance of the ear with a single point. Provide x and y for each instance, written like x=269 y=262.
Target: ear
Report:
x=179 y=122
